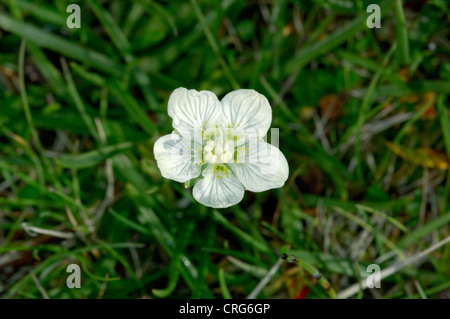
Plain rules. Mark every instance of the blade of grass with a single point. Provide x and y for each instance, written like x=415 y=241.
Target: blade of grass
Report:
x=59 y=44
x=84 y=263
x=350 y=291
x=200 y=291
x=236 y=253
x=338 y=37
x=133 y=109
x=113 y=252
x=390 y=219
x=175 y=262
x=26 y=108
x=59 y=257
x=419 y=289
x=223 y=285
x=92 y=158
x=313 y=271
x=372 y=229
x=78 y=102
x=91 y=77
x=42 y=11
x=428 y=228
x=48 y=70
x=219 y=218
x=215 y=46
x=445 y=126
x=112 y=29
x=402 y=35
x=133 y=225
x=387 y=156
x=163 y=236
x=254 y=270
x=328 y=262
x=162 y=14
x=255 y=292
x=367 y=102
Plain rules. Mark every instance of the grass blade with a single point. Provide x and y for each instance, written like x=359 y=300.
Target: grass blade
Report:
x=92 y=158
x=58 y=44
x=402 y=35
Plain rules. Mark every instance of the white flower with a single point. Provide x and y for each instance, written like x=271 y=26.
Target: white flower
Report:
x=218 y=146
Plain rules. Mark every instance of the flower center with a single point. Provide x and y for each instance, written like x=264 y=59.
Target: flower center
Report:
x=220 y=171
x=219 y=145
x=218 y=151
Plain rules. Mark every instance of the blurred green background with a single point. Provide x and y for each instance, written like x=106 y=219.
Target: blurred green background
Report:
x=364 y=124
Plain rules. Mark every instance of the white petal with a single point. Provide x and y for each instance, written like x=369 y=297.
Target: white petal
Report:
x=209 y=146
x=192 y=111
x=175 y=158
x=218 y=190
x=210 y=157
x=226 y=157
x=263 y=168
x=247 y=110
x=219 y=148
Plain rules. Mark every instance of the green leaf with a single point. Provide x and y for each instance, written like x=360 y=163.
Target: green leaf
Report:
x=92 y=158
x=59 y=44
x=402 y=35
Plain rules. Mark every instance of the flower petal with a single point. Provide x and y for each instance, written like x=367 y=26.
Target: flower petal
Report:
x=264 y=167
x=175 y=158
x=218 y=189
x=246 y=110
x=192 y=110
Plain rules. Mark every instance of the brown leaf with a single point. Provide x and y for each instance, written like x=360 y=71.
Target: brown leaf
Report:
x=423 y=156
x=330 y=105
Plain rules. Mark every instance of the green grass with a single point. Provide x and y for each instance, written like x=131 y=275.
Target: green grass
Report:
x=80 y=110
